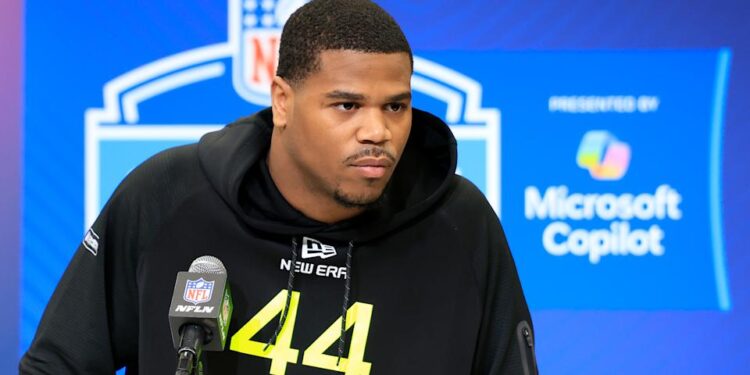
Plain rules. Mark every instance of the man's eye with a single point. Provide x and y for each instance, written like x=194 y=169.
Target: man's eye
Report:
x=395 y=107
x=346 y=106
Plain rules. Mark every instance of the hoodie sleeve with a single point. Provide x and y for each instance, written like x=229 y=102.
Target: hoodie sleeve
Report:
x=506 y=336
x=90 y=325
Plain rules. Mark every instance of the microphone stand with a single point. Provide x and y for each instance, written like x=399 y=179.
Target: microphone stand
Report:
x=190 y=355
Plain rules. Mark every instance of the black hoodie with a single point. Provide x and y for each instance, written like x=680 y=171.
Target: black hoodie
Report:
x=432 y=287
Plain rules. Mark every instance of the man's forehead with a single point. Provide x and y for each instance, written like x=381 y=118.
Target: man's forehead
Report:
x=355 y=75
x=339 y=58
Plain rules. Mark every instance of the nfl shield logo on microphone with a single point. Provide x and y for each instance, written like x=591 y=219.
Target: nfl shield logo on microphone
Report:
x=198 y=291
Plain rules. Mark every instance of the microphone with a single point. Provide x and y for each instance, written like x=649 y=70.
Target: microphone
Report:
x=200 y=312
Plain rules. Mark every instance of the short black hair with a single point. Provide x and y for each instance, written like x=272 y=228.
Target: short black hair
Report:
x=321 y=25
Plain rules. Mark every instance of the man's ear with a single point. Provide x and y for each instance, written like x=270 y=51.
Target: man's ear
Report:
x=282 y=100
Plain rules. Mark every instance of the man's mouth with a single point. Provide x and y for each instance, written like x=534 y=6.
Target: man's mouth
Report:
x=370 y=167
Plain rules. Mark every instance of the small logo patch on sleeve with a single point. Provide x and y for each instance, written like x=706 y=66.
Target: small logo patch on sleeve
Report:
x=91 y=242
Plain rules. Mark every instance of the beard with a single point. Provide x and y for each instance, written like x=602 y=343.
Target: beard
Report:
x=351 y=201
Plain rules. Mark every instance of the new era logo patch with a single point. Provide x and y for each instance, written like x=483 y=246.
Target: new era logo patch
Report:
x=315 y=249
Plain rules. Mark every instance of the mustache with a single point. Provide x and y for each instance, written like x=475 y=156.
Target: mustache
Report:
x=374 y=152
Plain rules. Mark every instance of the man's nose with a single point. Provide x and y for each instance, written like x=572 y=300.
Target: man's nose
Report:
x=373 y=127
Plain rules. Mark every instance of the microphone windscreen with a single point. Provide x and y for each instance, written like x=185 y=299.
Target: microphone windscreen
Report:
x=207 y=264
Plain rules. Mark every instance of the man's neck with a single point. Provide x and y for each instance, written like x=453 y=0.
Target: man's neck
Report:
x=312 y=203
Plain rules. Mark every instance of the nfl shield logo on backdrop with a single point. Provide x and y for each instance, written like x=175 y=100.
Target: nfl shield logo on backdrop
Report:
x=198 y=291
x=255 y=30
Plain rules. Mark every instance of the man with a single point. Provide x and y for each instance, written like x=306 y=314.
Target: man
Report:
x=351 y=246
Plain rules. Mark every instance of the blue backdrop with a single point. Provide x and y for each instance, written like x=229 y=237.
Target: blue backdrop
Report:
x=10 y=188
x=609 y=137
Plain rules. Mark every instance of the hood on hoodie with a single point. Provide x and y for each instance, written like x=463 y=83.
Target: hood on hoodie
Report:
x=420 y=179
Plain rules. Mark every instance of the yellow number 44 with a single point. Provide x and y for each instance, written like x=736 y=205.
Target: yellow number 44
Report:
x=358 y=316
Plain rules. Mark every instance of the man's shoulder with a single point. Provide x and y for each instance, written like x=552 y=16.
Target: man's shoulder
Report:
x=150 y=194
x=163 y=179
x=465 y=206
x=168 y=167
x=467 y=197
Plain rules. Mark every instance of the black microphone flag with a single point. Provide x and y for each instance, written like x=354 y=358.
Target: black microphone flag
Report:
x=201 y=299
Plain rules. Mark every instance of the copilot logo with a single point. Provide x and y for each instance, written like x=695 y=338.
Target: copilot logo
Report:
x=603 y=155
x=568 y=232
